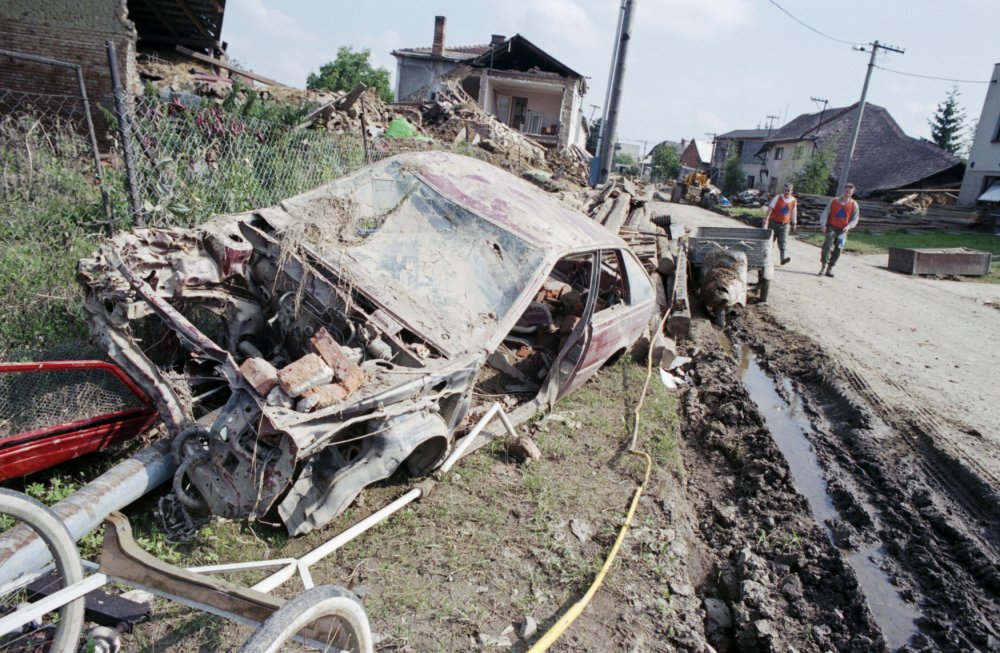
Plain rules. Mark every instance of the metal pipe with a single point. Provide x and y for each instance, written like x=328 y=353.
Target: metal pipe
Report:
x=467 y=440
x=83 y=511
x=317 y=554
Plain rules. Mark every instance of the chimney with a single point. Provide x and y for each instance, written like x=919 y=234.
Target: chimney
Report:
x=438 y=49
x=497 y=40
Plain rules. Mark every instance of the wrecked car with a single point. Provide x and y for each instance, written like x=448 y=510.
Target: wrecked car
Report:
x=301 y=352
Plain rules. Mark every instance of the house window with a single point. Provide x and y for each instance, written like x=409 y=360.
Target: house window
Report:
x=797 y=152
x=502 y=108
x=779 y=153
x=511 y=110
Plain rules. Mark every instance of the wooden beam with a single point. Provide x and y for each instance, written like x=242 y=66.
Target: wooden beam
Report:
x=156 y=12
x=239 y=71
x=197 y=23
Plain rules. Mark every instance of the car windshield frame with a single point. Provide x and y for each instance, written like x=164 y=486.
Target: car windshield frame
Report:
x=447 y=271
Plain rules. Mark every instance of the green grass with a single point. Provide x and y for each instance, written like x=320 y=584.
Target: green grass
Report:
x=864 y=243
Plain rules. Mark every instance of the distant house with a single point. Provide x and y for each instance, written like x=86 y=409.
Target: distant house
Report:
x=696 y=155
x=982 y=176
x=511 y=79
x=884 y=157
x=746 y=143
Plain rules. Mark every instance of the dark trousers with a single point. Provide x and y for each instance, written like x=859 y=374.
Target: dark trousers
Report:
x=833 y=245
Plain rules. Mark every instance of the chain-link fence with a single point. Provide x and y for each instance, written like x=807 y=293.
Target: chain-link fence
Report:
x=193 y=159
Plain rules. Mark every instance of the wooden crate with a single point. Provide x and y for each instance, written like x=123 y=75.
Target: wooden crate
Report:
x=944 y=260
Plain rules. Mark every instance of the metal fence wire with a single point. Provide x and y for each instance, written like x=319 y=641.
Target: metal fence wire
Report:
x=41 y=399
x=193 y=160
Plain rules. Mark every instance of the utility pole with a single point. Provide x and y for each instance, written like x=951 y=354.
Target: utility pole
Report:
x=610 y=124
x=821 y=111
x=846 y=169
x=770 y=122
x=711 y=158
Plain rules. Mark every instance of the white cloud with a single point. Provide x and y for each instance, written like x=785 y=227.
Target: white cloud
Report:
x=695 y=19
x=274 y=22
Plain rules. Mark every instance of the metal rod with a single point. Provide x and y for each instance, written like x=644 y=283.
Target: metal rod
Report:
x=124 y=128
x=317 y=554
x=37 y=59
x=105 y=199
x=34 y=611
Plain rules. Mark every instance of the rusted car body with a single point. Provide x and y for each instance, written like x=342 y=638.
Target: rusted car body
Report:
x=301 y=352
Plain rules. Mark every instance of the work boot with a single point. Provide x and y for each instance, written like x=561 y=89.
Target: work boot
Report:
x=829 y=271
x=822 y=268
x=786 y=259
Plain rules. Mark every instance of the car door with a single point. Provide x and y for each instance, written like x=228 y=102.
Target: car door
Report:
x=619 y=306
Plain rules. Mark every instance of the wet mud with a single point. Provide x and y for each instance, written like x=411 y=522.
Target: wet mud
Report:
x=878 y=542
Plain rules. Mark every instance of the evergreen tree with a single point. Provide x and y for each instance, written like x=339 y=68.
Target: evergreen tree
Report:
x=349 y=68
x=666 y=162
x=814 y=178
x=948 y=124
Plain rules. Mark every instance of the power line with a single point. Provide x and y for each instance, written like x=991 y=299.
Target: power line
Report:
x=943 y=79
x=810 y=27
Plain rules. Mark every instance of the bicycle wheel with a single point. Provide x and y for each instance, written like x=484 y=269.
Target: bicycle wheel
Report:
x=330 y=616
x=60 y=630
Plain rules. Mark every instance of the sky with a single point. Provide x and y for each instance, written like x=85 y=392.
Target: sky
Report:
x=694 y=67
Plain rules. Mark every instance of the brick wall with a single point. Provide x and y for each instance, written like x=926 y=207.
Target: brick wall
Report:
x=73 y=31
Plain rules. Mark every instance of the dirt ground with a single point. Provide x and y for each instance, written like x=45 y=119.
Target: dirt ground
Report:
x=891 y=543
x=897 y=376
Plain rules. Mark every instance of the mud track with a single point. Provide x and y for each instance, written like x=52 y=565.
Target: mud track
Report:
x=786 y=584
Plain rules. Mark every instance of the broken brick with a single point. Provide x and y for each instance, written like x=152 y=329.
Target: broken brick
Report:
x=306 y=373
x=260 y=375
x=322 y=397
x=333 y=354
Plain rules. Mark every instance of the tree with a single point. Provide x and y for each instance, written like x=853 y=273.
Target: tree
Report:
x=666 y=162
x=814 y=178
x=732 y=173
x=629 y=162
x=948 y=123
x=595 y=134
x=349 y=68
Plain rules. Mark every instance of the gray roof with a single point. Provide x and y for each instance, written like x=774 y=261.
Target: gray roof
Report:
x=884 y=157
x=744 y=135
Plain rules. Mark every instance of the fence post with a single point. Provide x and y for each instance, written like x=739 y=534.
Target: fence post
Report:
x=124 y=129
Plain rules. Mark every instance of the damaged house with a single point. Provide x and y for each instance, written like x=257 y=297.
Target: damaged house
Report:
x=512 y=79
x=75 y=33
x=884 y=157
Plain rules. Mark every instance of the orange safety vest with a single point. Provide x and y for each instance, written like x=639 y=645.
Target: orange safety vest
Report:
x=782 y=211
x=840 y=214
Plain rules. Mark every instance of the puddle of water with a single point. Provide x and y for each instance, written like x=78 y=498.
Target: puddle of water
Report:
x=788 y=426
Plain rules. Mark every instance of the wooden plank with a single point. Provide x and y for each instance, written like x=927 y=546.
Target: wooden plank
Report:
x=619 y=212
x=679 y=322
x=215 y=62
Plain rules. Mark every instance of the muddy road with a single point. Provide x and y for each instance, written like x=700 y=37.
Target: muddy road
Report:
x=888 y=384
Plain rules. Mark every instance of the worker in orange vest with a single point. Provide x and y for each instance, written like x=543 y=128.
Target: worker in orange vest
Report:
x=838 y=218
x=784 y=212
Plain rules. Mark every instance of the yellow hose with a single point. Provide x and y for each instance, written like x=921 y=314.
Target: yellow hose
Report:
x=554 y=633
